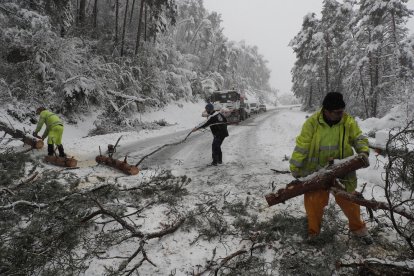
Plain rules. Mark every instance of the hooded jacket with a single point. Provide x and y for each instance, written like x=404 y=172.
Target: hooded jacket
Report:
x=318 y=143
x=218 y=125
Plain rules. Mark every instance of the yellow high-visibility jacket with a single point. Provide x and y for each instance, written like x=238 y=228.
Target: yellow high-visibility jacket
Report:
x=48 y=118
x=318 y=143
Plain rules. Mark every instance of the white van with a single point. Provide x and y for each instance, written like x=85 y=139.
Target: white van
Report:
x=254 y=108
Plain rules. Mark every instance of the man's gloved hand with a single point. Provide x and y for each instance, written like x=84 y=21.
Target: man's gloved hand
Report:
x=364 y=157
x=34 y=133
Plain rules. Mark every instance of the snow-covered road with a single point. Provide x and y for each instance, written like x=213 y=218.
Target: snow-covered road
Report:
x=254 y=147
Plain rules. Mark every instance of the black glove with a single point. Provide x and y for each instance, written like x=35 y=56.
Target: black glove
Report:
x=364 y=157
x=296 y=174
x=34 y=133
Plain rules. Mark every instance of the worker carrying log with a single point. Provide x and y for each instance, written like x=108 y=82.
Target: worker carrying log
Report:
x=54 y=130
x=330 y=134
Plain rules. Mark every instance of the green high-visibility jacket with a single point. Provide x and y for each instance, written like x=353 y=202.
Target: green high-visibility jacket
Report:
x=318 y=143
x=48 y=118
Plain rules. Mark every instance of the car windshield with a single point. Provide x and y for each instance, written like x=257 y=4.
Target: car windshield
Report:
x=224 y=97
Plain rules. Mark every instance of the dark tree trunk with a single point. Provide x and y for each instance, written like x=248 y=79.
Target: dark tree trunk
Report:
x=364 y=93
x=327 y=64
x=95 y=15
x=132 y=12
x=116 y=21
x=310 y=96
x=124 y=28
x=82 y=12
x=145 y=22
x=139 y=26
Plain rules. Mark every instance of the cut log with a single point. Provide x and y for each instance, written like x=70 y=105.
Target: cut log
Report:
x=321 y=180
x=69 y=162
x=120 y=165
x=33 y=142
x=27 y=139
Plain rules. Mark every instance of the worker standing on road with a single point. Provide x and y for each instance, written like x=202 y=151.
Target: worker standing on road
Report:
x=218 y=126
x=54 y=130
x=330 y=134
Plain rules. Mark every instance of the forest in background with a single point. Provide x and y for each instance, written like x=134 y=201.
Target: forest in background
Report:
x=359 y=48
x=121 y=56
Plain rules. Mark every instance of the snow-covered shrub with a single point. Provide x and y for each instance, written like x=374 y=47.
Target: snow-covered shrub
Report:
x=32 y=37
x=77 y=90
x=5 y=93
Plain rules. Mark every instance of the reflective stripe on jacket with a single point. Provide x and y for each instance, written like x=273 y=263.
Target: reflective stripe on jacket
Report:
x=48 y=118
x=318 y=143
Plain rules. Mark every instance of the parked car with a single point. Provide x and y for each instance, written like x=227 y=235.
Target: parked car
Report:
x=262 y=108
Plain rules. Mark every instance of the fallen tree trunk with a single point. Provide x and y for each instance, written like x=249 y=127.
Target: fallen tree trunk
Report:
x=318 y=181
x=378 y=267
x=120 y=165
x=27 y=139
x=69 y=162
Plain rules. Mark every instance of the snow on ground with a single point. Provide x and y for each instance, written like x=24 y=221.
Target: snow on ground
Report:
x=254 y=147
x=179 y=116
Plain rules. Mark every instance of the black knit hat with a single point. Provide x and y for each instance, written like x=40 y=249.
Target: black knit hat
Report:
x=333 y=101
x=209 y=107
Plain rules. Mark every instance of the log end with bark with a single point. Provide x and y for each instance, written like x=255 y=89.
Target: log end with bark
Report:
x=33 y=142
x=69 y=162
x=117 y=164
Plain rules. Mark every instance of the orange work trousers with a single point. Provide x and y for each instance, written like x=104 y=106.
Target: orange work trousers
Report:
x=316 y=201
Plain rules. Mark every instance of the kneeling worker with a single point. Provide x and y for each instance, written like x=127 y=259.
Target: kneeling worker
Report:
x=54 y=130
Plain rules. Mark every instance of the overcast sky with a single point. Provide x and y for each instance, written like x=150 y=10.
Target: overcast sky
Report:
x=270 y=25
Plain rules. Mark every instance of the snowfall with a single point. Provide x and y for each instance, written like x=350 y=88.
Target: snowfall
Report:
x=252 y=154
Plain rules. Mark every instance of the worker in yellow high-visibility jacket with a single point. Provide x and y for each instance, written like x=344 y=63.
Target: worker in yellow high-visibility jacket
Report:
x=54 y=130
x=330 y=134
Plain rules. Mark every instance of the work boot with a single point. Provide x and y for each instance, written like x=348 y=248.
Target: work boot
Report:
x=50 y=149
x=61 y=151
x=363 y=236
x=220 y=158
x=214 y=163
x=312 y=239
